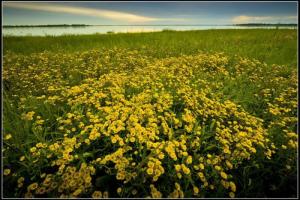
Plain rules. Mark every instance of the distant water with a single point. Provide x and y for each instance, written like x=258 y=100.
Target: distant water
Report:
x=55 y=31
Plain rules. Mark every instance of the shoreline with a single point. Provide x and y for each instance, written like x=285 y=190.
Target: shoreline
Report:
x=150 y=31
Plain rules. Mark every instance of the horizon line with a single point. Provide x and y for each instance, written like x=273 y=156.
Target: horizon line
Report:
x=151 y=24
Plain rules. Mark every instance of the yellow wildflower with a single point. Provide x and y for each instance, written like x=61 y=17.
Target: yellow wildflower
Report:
x=196 y=190
x=32 y=186
x=231 y=195
x=97 y=194
x=232 y=186
x=22 y=158
x=224 y=175
x=6 y=172
x=8 y=136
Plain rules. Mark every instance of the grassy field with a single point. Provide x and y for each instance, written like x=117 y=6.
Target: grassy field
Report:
x=168 y=114
x=271 y=46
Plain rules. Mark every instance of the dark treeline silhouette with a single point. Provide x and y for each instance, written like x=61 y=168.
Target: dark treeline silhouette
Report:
x=48 y=25
x=82 y=25
x=265 y=24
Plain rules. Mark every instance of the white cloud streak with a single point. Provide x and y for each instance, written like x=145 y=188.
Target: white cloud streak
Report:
x=115 y=15
x=255 y=19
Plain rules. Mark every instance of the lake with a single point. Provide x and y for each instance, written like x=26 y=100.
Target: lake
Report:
x=55 y=31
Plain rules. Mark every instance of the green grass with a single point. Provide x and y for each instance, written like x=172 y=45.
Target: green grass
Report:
x=72 y=55
x=271 y=46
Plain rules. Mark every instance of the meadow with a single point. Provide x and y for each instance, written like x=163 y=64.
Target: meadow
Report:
x=209 y=113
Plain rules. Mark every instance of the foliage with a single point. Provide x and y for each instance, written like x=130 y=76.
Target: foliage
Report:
x=119 y=122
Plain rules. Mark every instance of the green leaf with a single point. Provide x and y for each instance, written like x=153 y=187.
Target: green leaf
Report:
x=210 y=147
x=212 y=125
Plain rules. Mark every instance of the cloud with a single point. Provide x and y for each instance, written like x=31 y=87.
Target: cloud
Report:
x=253 y=19
x=115 y=15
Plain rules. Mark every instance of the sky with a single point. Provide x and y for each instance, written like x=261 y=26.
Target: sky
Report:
x=148 y=13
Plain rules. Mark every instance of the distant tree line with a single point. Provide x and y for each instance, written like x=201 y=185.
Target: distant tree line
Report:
x=265 y=24
x=48 y=25
x=81 y=25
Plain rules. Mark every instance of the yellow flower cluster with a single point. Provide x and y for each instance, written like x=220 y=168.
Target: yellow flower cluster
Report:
x=154 y=168
x=28 y=116
x=142 y=121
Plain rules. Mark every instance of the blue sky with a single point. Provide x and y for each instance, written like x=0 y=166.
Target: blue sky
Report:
x=128 y=13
